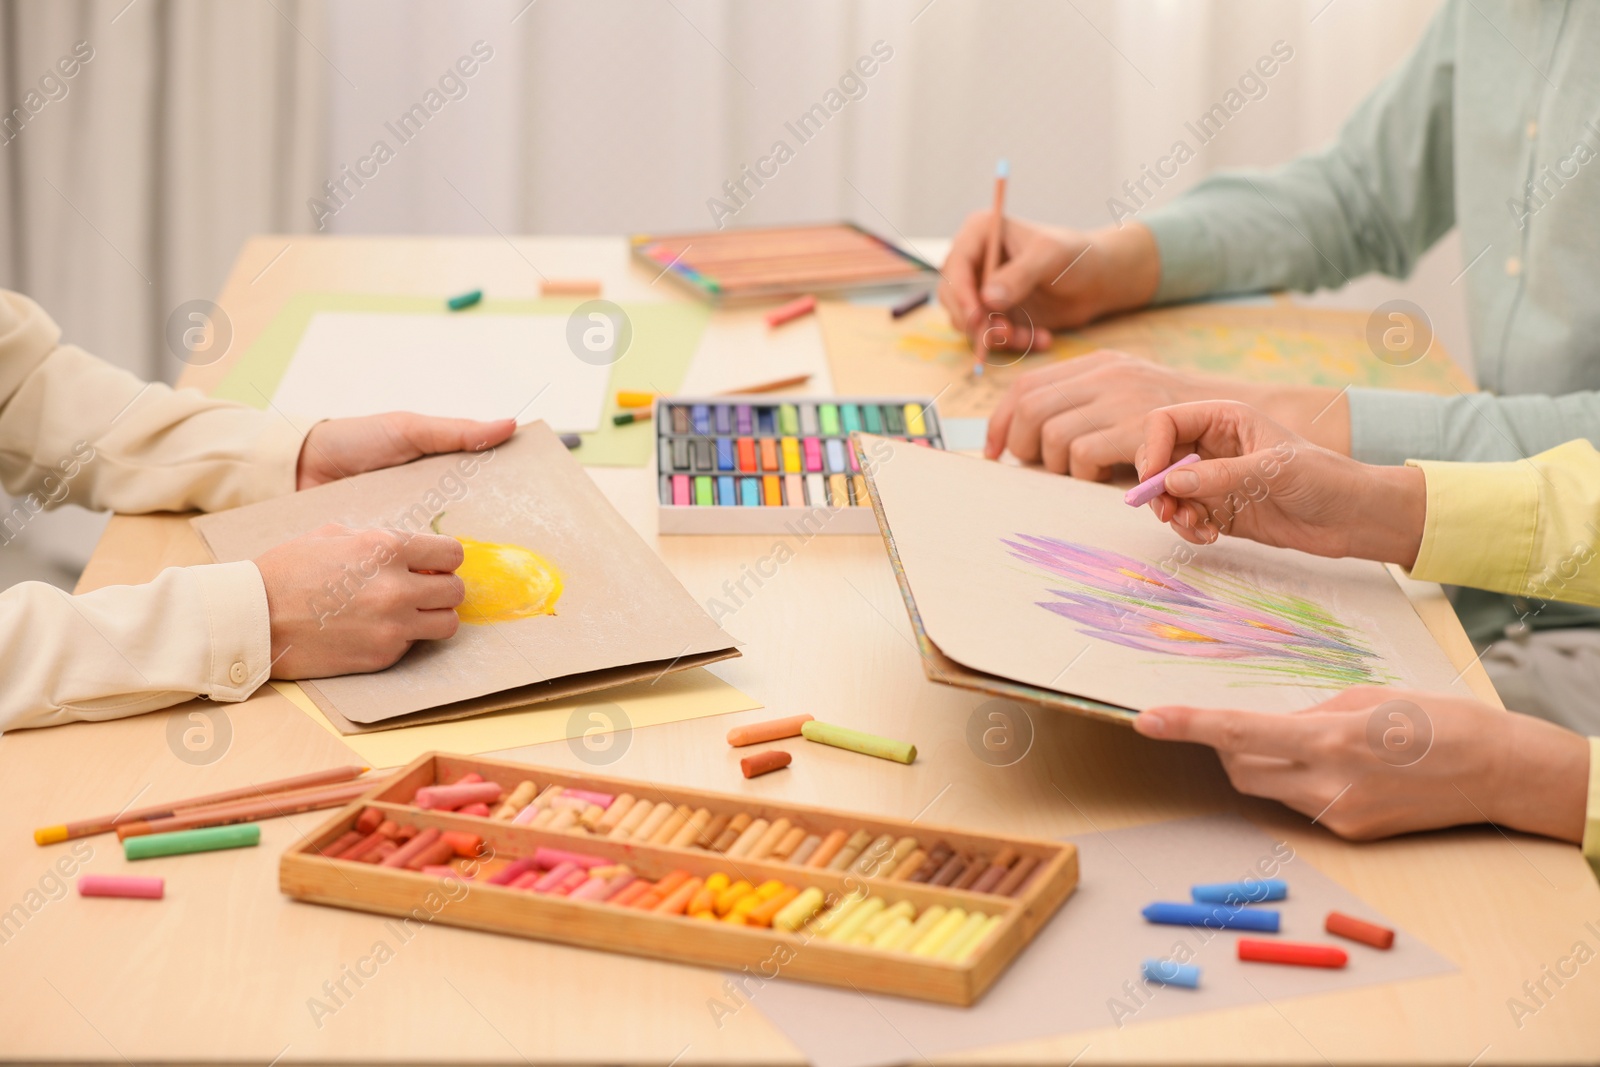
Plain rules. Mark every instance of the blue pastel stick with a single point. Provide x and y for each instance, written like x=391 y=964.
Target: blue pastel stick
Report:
x=724 y=419
x=1213 y=916
x=1250 y=891
x=1167 y=972
x=749 y=492
x=701 y=414
x=725 y=491
x=724 y=454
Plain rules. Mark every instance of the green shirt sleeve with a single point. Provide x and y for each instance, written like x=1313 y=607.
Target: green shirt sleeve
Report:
x=1374 y=200
x=1388 y=426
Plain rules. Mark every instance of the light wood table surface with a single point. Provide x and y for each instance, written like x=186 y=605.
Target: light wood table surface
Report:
x=225 y=968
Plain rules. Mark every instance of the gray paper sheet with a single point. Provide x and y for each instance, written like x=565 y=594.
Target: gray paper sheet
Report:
x=1082 y=970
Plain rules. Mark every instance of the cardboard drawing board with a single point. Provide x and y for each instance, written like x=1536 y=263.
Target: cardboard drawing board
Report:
x=1044 y=588
x=619 y=614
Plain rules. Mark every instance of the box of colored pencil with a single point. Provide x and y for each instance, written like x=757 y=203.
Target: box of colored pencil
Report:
x=716 y=879
x=738 y=265
x=774 y=465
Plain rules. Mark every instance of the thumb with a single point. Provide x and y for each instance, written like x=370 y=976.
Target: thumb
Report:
x=1210 y=477
x=1034 y=267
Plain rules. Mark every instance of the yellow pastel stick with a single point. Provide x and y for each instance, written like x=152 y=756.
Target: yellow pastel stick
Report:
x=795 y=914
x=888 y=915
x=942 y=931
x=791 y=455
x=925 y=922
x=915 y=427
x=965 y=932
x=831 y=918
x=972 y=944
x=851 y=925
x=626 y=399
x=893 y=937
x=731 y=896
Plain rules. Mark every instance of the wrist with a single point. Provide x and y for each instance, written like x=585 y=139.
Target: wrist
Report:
x=1391 y=507
x=1129 y=268
x=1320 y=415
x=1540 y=781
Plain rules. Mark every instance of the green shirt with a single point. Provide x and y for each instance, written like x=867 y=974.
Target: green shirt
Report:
x=1491 y=124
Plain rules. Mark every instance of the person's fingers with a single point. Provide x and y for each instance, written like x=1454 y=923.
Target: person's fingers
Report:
x=1044 y=423
x=1286 y=781
x=1080 y=426
x=436 y=625
x=428 y=435
x=1359 y=698
x=1228 y=730
x=433 y=552
x=959 y=290
x=1211 y=477
x=429 y=592
x=1000 y=421
x=1038 y=260
x=1094 y=455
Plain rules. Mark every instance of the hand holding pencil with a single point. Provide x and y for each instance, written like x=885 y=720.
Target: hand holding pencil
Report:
x=1007 y=286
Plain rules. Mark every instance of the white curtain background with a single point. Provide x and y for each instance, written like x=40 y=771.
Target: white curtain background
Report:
x=200 y=122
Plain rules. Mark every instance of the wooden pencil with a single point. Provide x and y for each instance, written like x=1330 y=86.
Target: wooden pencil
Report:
x=49 y=835
x=272 y=806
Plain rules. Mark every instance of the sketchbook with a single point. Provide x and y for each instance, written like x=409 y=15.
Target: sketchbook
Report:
x=1042 y=588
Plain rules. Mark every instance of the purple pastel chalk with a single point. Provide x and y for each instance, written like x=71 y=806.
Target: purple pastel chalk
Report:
x=1156 y=484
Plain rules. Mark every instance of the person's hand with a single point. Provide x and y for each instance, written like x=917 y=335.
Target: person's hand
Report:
x=346 y=601
x=1372 y=762
x=1048 y=279
x=338 y=448
x=1085 y=416
x=1260 y=481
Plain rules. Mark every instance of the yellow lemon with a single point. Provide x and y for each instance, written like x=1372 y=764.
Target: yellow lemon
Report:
x=505 y=582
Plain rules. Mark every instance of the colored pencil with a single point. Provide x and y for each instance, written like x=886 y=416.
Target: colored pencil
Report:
x=49 y=835
x=269 y=807
x=991 y=258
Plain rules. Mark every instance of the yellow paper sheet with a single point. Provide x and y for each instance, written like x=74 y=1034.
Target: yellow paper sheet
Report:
x=869 y=352
x=691 y=694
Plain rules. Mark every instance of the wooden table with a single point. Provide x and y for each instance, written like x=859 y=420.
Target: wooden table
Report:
x=225 y=968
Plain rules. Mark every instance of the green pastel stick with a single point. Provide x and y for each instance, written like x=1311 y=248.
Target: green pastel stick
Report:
x=856 y=741
x=206 y=839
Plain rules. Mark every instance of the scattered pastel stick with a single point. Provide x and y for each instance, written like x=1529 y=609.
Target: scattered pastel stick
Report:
x=569 y=287
x=1296 y=953
x=1213 y=916
x=572 y=440
x=910 y=304
x=208 y=839
x=450 y=797
x=792 y=310
x=1156 y=484
x=1249 y=891
x=856 y=741
x=1341 y=925
x=625 y=418
x=631 y=399
x=121 y=885
x=765 y=762
x=465 y=300
x=756 y=733
x=1166 y=972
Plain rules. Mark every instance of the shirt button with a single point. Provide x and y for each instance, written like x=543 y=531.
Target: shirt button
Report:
x=238 y=673
x=1533 y=130
x=1513 y=266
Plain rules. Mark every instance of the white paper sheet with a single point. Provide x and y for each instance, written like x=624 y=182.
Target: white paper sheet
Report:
x=471 y=365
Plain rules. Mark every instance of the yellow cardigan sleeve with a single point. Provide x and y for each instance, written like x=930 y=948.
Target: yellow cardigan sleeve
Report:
x=1527 y=528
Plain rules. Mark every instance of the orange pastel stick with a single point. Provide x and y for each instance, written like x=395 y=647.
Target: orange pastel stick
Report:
x=630 y=893
x=465 y=844
x=441 y=851
x=828 y=849
x=772 y=730
x=774 y=759
x=369 y=820
x=763 y=913
x=678 y=901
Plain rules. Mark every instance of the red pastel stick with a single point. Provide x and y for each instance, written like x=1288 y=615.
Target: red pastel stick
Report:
x=120 y=885
x=1297 y=953
x=791 y=311
x=1341 y=925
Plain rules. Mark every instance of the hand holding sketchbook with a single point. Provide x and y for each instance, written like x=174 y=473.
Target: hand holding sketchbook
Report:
x=1051 y=589
x=618 y=613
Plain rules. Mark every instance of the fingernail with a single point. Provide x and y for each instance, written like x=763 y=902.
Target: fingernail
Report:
x=1183 y=481
x=1150 y=724
x=1184 y=518
x=995 y=293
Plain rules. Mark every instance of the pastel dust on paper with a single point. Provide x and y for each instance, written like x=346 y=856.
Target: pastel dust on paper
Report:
x=504 y=581
x=1258 y=637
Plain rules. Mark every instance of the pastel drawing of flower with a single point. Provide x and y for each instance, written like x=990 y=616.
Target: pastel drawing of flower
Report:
x=1273 y=637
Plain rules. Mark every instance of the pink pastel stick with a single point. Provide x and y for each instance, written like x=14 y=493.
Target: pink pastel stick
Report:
x=121 y=885
x=474 y=809
x=617 y=884
x=554 y=877
x=450 y=797
x=526 y=880
x=594 y=889
x=1156 y=484
x=526 y=815
x=602 y=800
x=512 y=871
x=554 y=857
x=572 y=881
x=468 y=778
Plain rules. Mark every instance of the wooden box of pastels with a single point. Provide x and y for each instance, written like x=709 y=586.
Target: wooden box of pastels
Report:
x=721 y=880
x=764 y=465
